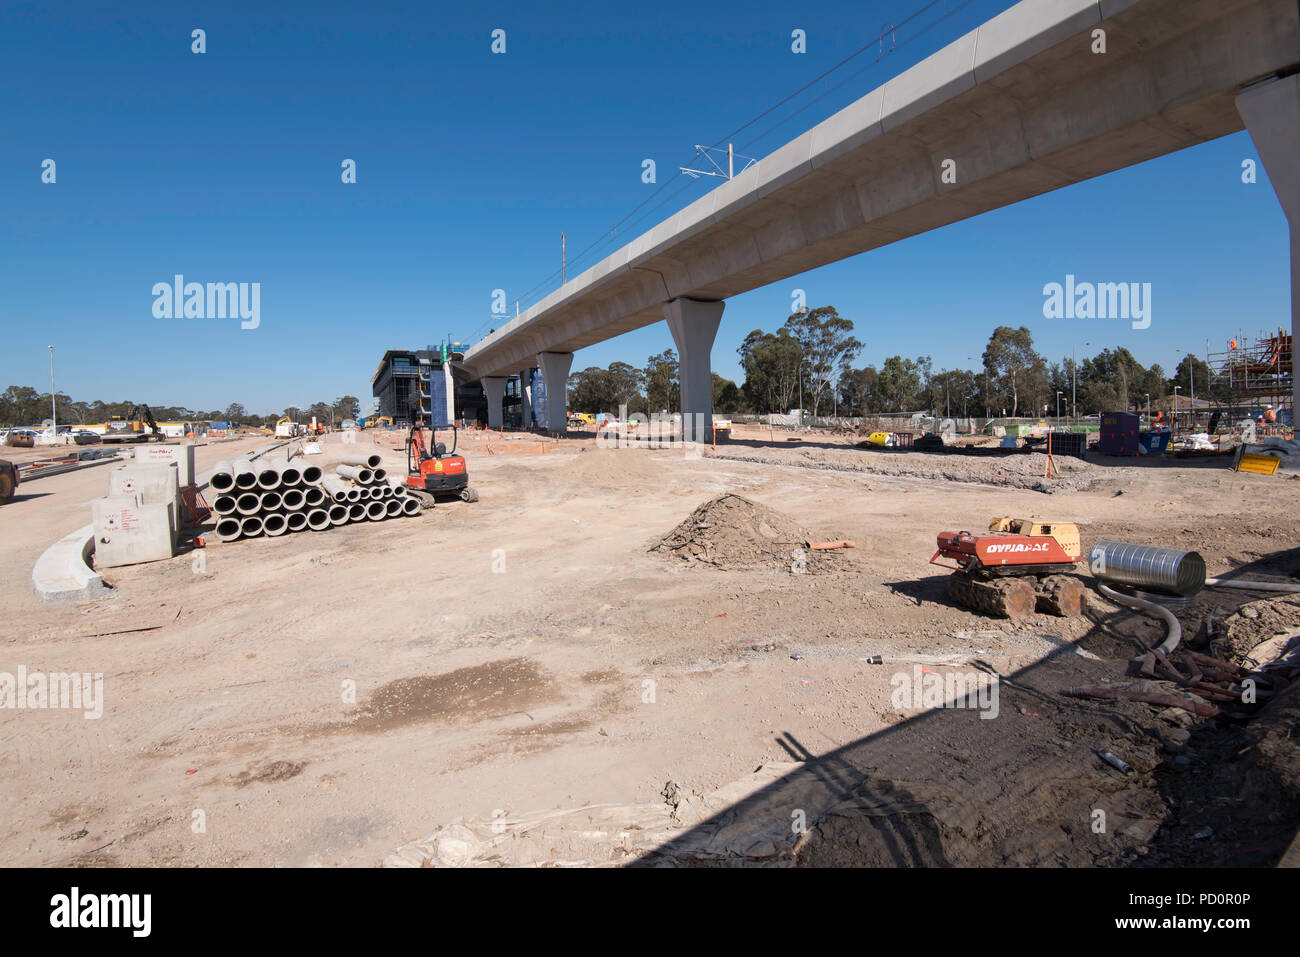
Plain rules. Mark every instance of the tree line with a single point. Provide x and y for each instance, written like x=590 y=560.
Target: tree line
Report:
x=810 y=363
x=25 y=406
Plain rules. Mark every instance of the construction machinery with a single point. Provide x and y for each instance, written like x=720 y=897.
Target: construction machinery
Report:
x=133 y=426
x=8 y=481
x=432 y=470
x=1017 y=567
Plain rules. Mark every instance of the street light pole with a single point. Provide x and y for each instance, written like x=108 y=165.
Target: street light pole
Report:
x=1074 y=379
x=1148 y=410
x=1058 y=408
x=54 y=412
x=1174 y=424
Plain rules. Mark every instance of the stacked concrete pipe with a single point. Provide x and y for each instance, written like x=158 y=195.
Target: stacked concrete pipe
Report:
x=273 y=495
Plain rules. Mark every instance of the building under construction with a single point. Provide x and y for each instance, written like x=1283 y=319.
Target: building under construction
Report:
x=428 y=386
x=1253 y=374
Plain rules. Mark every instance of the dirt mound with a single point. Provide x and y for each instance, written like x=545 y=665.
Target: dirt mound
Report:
x=731 y=532
x=617 y=467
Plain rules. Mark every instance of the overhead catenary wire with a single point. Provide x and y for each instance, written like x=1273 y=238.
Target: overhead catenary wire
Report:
x=950 y=7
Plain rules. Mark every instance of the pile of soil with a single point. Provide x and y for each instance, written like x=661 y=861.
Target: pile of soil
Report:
x=617 y=467
x=731 y=532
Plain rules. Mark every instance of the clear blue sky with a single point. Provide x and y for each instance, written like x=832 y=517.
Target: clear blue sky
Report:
x=226 y=167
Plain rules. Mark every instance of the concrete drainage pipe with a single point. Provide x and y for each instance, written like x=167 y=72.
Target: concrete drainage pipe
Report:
x=223 y=477
x=359 y=474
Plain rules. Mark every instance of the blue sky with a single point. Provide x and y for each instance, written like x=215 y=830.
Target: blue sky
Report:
x=226 y=167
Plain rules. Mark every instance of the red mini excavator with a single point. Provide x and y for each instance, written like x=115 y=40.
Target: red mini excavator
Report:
x=1016 y=567
x=432 y=471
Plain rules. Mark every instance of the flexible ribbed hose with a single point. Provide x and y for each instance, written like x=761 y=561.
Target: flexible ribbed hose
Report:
x=1175 y=634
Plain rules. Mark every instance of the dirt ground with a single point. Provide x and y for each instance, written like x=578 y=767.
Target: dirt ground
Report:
x=328 y=698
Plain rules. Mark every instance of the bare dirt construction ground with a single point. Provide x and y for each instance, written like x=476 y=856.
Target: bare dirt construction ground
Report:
x=330 y=698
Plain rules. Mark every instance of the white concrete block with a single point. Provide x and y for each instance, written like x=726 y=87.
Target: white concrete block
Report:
x=128 y=532
x=182 y=455
x=157 y=483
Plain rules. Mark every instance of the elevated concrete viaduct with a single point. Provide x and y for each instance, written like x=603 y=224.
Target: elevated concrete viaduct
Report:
x=1018 y=107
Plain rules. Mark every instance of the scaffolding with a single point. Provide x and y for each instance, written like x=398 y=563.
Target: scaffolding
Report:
x=1252 y=375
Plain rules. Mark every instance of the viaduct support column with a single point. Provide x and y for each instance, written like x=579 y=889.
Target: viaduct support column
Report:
x=495 y=388
x=555 y=373
x=1272 y=113
x=526 y=397
x=694 y=324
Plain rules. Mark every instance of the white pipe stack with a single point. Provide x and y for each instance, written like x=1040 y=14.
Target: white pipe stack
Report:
x=274 y=495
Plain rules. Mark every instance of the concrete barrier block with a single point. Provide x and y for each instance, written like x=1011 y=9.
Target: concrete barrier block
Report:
x=157 y=483
x=182 y=455
x=128 y=531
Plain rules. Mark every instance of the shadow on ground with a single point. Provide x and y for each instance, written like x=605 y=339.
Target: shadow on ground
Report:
x=957 y=786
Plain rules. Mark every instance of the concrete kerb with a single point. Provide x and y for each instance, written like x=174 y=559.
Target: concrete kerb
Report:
x=63 y=572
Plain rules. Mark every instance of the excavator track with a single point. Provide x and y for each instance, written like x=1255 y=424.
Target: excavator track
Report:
x=1001 y=597
x=424 y=498
x=1060 y=595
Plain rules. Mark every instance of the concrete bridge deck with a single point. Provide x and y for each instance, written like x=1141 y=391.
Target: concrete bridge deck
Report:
x=1018 y=107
